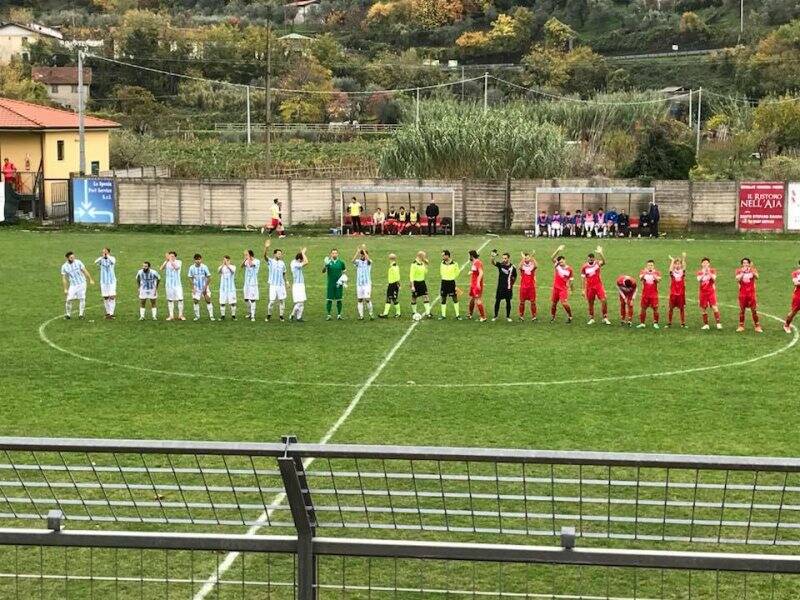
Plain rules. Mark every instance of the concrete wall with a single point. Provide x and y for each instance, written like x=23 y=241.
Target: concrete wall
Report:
x=489 y=205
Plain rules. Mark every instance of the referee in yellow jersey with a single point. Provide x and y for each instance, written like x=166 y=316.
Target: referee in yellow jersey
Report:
x=449 y=271
x=392 y=288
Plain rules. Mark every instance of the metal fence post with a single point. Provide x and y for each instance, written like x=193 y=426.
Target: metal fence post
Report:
x=301 y=506
x=289 y=220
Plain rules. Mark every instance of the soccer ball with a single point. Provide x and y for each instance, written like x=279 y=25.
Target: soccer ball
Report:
x=417 y=317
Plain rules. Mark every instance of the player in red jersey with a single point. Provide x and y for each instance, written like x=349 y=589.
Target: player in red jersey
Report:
x=593 y=288
x=527 y=286
x=627 y=292
x=747 y=275
x=649 y=278
x=562 y=285
x=787 y=324
x=707 y=276
x=476 y=280
x=677 y=288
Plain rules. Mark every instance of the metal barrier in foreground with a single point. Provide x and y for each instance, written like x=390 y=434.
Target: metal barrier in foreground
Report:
x=434 y=517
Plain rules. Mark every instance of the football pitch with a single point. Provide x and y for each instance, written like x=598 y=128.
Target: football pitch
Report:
x=438 y=383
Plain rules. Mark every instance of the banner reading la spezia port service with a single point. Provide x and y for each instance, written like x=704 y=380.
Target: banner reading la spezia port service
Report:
x=793 y=207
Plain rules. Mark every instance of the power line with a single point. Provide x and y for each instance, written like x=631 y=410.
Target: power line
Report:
x=580 y=100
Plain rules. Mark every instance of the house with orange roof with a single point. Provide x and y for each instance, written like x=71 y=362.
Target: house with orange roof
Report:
x=42 y=143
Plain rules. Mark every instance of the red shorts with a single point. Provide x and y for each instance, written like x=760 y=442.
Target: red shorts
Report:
x=527 y=294
x=748 y=301
x=796 y=301
x=475 y=291
x=559 y=295
x=275 y=223
x=708 y=299
x=595 y=293
x=649 y=301
x=677 y=300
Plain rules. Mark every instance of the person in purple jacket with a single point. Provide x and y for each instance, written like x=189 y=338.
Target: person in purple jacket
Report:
x=556 y=224
x=542 y=222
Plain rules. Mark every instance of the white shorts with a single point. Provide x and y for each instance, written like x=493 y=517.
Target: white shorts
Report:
x=148 y=294
x=76 y=292
x=251 y=292
x=364 y=291
x=555 y=226
x=299 y=292
x=175 y=293
x=108 y=289
x=277 y=292
x=198 y=294
x=227 y=298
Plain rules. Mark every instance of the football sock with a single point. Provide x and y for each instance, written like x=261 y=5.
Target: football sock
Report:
x=508 y=308
x=669 y=315
x=591 y=310
x=521 y=309
x=482 y=311
x=741 y=317
x=444 y=309
x=154 y=311
x=397 y=309
x=328 y=306
x=754 y=312
x=112 y=306
x=457 y=309
x=683 y=315
x=370 y=310
x=414 y=308
x=705 y=318
x=604 y=309
x=360 y=307
x=281 y=307
x=642 y=315
x=171 y=309
x=471 y=306
x=569 y=310
x=622 y=311
x=496 y=307
x=196 y=310
x=339 y=307
x=81 y=306
x=427 y=308
x=210 y=308
x=655 y=315
x=141 y=312
x=233 y=310
x=68 y=308
x=222 y=310
x=553 y=309
x=716 y=316
x=252 y=309
x=386 y=309
x=533 y=309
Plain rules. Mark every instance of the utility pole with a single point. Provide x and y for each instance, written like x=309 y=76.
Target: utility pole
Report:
x=485 y=91
x=81 y=123
x=699 y=105
x=269 y=100
x=249 y=136
x=690 y=108
x=462 y=83
x=741 y=19
x=416 y=121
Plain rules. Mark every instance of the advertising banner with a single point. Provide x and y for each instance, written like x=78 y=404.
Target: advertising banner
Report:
x=93 y=200
x=761 y=205
x=793 y=207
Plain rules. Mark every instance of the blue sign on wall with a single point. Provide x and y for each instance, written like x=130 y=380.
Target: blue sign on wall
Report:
x=93 y=200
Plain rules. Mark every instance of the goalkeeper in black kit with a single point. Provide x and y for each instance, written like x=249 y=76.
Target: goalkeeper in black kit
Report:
x=507 y=276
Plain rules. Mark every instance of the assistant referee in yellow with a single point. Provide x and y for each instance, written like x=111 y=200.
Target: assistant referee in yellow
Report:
x=449 y=271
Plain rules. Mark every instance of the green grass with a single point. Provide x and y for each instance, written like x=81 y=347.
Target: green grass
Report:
x=748 y=410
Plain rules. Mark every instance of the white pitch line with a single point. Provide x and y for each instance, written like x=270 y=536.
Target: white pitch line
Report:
x=263 y=519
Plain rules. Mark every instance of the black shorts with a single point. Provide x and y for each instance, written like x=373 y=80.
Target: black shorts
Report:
x=448 y=288
x=418 y=288
x=392 y=292
x=504 y=294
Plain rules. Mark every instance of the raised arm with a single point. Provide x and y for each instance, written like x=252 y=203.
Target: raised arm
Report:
x=555 y=252
x=601 y=255
x=305 y=257
x=267 y=244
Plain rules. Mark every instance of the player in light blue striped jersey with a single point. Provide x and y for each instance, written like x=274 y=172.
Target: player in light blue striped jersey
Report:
x=227 y=287
x=148 y=280
x=251 y=265
x=108 y=281
x=277 y=280
x=172 y=272
x=363 y=266
x=73 y=279
x=298 y=285
x=200 y=277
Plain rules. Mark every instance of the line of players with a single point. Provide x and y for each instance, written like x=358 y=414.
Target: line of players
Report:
x=74 y=277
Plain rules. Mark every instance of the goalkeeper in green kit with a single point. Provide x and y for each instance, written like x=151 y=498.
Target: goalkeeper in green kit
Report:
x=334 y=269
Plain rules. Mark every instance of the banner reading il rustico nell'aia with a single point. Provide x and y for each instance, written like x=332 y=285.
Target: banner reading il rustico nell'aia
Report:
x=761 y=205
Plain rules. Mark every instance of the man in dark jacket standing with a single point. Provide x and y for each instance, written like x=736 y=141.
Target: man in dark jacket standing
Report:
x=654 y=216
x=432 y=212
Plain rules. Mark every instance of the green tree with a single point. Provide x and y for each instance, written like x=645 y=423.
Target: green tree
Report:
x=775 y=66
x=314 y=86
x=580 y=71
x=15 y=84
x=778 y=122
x=138 y=107
x=557 y=34
x=661 y=157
